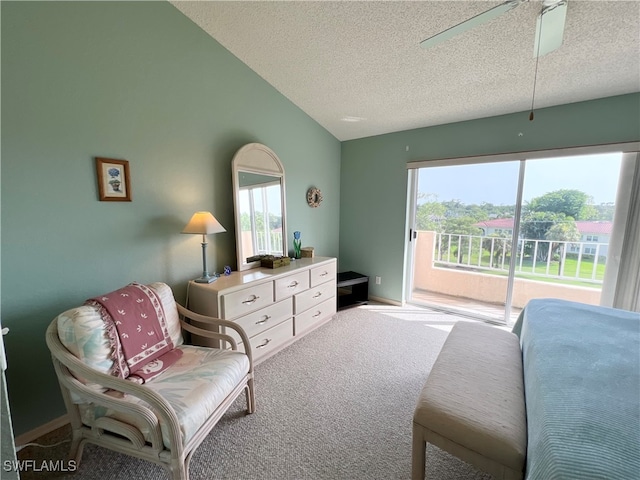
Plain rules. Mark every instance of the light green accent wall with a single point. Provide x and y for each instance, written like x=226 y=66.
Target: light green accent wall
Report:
x=374 y=175
x=135 y=81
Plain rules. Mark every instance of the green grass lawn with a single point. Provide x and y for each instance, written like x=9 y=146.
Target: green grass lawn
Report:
x=569 y=273
x=570 y=268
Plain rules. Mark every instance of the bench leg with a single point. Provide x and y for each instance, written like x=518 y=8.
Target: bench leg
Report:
x=418 y=454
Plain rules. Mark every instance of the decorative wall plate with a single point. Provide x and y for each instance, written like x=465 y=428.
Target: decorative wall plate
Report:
x=314 y=197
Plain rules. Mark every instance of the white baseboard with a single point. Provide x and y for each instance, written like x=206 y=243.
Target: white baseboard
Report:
x=33 y=435
x=385 y=300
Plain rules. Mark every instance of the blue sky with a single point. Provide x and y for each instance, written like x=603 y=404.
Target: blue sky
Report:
x=596 y=175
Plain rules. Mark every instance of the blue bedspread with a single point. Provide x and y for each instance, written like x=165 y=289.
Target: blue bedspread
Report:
x=582 y=388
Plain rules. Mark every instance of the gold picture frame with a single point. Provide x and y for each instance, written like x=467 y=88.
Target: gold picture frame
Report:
x=114 y=184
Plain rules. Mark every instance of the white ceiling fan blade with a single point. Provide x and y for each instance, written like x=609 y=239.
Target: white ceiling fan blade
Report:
x=473 y=22
x=550 y=28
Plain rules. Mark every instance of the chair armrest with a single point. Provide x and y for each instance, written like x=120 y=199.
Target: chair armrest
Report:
x=216 y=322
x=209 y=334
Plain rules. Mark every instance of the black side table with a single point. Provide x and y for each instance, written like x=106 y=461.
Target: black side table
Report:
x=353 y=289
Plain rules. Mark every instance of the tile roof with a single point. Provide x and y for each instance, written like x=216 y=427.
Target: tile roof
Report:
x=601 y=227
x=496 y=223
x=584 y=227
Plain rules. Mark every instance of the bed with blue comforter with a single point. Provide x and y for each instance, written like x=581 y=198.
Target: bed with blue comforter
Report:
x=582 y=389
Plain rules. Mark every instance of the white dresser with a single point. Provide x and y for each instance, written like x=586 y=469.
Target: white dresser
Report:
x=274 y=306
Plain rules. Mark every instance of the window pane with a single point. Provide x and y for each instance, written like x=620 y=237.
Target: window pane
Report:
x=464 y=219
x=566 y=223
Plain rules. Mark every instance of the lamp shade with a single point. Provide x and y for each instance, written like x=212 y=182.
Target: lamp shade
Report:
x=203 y=223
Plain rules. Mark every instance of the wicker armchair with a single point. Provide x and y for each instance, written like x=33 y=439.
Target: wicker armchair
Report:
x=165 y=419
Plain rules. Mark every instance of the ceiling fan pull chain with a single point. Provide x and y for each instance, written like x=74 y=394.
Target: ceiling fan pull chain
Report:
x=535 y=75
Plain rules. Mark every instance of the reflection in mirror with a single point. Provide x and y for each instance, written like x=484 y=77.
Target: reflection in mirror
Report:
x=259 y=199
x=260 y=214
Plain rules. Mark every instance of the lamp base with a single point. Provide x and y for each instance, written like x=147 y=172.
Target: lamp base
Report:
x=206 y=279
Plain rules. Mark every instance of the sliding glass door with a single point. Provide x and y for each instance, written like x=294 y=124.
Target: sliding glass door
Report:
x=488 y=237
x=458 y=263
x=566 y=227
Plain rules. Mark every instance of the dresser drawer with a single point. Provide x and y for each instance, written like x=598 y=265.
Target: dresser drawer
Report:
x=314 y=315
x=257 y=322
x=247 y=300
x=272 y=339
x=291 y=284
x=305 y=300
x=323 y=273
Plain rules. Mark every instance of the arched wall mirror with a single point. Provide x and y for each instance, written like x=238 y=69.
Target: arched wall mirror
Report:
x=259 y=201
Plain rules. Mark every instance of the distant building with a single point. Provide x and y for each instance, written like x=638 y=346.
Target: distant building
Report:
x=592 y=233
x=497 y=226
x=596 y=232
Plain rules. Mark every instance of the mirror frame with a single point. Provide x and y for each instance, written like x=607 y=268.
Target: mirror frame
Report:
x=259 y=159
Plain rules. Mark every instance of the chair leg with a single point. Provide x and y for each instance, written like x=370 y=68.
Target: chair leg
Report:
x=251 y=396
x=179 y=470
x=418 y=455
x=77 y=446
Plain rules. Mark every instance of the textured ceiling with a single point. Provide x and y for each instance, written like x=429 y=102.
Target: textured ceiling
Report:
x=363 y=59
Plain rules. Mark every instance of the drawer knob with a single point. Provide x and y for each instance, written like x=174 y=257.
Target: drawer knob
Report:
x=266 y=342
x=324 y=274
x=317 y=314
x=264 y=320
x=249 y=301
x=293 y=284
x=319 y=294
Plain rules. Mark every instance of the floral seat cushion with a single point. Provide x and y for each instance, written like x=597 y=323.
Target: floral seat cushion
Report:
x=194 y=386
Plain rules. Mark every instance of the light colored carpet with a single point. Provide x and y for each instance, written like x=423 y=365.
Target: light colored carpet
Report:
x=336 y=405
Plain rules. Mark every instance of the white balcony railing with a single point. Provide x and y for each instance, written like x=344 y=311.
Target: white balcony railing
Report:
x=583 y=261
x=270 y=244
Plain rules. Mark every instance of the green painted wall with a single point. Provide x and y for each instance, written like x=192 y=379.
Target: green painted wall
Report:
x=374 y=176
x=136 y=81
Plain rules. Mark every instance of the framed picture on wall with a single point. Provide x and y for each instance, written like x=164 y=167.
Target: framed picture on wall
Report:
x=113 y=180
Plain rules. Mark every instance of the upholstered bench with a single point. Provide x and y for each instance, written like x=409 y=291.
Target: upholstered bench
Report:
x=473 y=403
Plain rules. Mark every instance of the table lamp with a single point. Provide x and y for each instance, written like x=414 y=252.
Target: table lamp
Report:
x=203 y=223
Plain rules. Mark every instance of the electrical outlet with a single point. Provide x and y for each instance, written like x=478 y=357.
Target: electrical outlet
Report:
x=378 y=280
